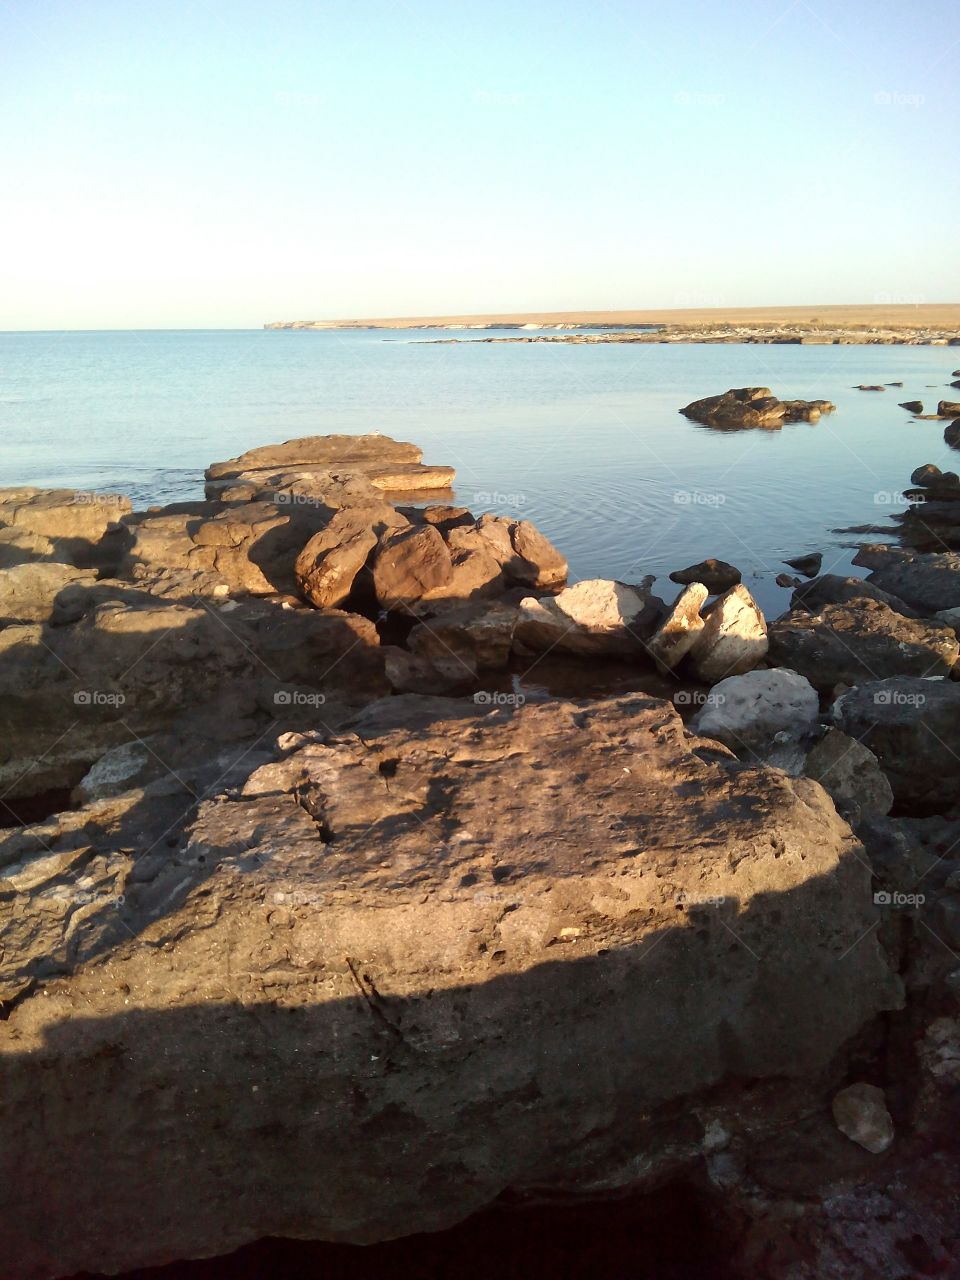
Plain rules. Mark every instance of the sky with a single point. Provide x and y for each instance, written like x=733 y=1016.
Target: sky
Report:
x=204 y=164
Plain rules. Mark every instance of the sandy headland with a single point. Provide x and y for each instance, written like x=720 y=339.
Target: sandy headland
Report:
x=927 y=323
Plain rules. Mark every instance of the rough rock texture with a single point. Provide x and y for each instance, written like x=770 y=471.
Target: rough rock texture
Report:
x=596 y=616
x=30 y=592
x=831 y=588
x=716 y=575
x=733 y=639
x=852 y=775
x=757 y=712
x=135 y=665
x=746 y=407
x=860 y=640
x=808 y=565
x=68 y=525
x=350 y=999
x=466 y=639
x=390 y=465
x=913 y=728
x=328 y=565
x=927 y=582
x=861 y=1113
x=680 y=630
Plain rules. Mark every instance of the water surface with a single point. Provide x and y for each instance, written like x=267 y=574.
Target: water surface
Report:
x=585 y=440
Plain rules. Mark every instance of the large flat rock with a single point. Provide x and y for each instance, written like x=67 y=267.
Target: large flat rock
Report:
x=403 y=971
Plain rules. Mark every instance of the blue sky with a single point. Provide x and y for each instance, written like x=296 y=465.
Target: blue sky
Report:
x=211 y=164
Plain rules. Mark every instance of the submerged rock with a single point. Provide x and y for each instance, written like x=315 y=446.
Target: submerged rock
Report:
x=912 y=406
x=381 y=983
x=808 y=565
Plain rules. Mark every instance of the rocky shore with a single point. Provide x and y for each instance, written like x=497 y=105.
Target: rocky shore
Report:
x=318 y=920
x=759 y=334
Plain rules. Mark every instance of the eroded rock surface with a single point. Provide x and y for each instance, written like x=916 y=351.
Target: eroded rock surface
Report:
x=349 y=998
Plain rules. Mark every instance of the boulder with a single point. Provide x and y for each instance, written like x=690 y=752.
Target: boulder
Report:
x=733 y=639
x=746 y=407
x=680 y=630
x=861 y=1113
x=376 y=986
x=864 y=387
x=948 y=409
x=328 y=565
x=462 y=641
x=926 y=581
x=410 y=564
x=523 y=555
x=29 y=592
x=860 y=639
x=760 y=714
x=951 y=434
x=81 y=528
x=808 y=565
x=787 y=580
x=716 y=575
x=831 y=588
x=133 y=667
x=391 y=466
x=912 y=726
x=594 y=617
x=912 y=406
x=852 y=775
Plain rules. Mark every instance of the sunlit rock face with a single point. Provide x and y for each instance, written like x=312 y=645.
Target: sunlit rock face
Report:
x=378 y=979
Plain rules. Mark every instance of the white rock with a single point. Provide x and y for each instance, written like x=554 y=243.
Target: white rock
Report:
x=860 y=1112
x=597 y=616
x=733 y=639
x=760 y=711
x=680 y=630
x=112 y=773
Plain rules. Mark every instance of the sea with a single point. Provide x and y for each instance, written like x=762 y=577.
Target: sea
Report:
x=586 y=441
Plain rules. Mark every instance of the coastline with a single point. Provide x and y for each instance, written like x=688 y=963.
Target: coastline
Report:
x=883 y=323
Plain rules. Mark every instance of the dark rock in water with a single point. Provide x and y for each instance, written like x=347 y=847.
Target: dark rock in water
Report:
x=927 y=476
x=860 y=640
x=375 y=986
x=833 y=589
x=913 y=728
x=894 y=384
x=864 y=387
x=716 y=575
x=955 y=384
x=948 y=409
x=808 y=565
x=951 y=434
x=913 y=406
x=927 y=581
x=787 y=580
x=747 y=407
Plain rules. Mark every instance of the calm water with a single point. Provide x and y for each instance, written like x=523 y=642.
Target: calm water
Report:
x=585 y=441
